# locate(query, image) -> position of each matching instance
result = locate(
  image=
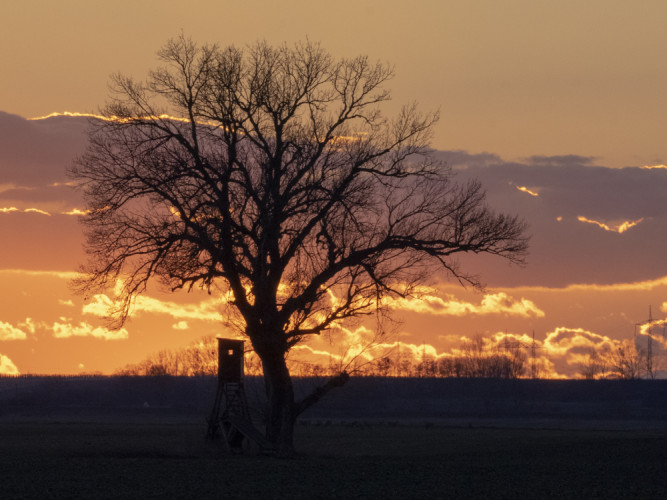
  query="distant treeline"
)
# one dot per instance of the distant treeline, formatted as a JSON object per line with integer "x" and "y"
{"x": 474, "y": 361}
{"x": 196, "y": 359}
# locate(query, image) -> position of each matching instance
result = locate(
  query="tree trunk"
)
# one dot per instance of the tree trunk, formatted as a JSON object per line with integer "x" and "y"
{"x": 280, "y": 394}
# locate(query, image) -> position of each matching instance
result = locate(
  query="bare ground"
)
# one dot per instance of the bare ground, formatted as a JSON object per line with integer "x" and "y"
{"x": 145, "y": 439}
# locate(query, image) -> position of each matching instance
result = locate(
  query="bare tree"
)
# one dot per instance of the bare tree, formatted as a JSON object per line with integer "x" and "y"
{"x": 626, "y": 362}
{"x": 595, "y": 366}
{"x": 623, "y": 362}
{"x": 478, "y": 360}
{"x": 270, "y": 173}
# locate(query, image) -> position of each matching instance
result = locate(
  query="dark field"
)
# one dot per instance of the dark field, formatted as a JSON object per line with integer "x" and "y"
{"x": 124, "y": 438}
{"x": 60, "y": 460}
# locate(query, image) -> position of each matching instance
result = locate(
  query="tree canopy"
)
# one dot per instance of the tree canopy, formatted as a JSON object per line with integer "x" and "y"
{"x": 271, "y": 173}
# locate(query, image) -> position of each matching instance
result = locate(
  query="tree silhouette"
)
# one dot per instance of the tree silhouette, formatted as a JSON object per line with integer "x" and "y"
{"x": 271, "y": 173}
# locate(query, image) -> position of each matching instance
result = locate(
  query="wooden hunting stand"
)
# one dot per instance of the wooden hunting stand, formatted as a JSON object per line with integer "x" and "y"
{"x": 230, "y": 410}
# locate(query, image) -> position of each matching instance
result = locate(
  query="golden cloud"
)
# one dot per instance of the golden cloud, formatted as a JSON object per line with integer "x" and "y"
{"x": 355, "y": 348}
{"x": 37, "y": 211}
{"x": 526, "y": 190}
{"x": 10, "y": 332}
{"x": 563, "y": 339}
{"x": 620, "y": 227}
{"x": 83, "y": 329}
{"x": 66, "y": 113}
{"x": 7, "y": 367}
{"x": 164, "y": 116}
{"x": 100, "y": 305}
{"x": 310, "y": 351}
{"x": 656, "y": 329}
{"x": 593, "y": 287}
{"x": 496, "y": 303}
{"x": 7, "y": 210}
{"x": 573, "y": 349}
{"x": 29, "y": 325}
{"x": 12, "y": 187}
{"x": 109, "y": 118}
{"x": 515, "y": 339}
{"x": 205, "y": 311}
{"x": 103, "y": 306}
{"x": 76, "y": 211}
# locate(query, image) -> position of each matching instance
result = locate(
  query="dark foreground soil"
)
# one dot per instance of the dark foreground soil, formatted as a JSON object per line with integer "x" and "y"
{"x": 129, "y": 437}
{"x": 47, "y": 459}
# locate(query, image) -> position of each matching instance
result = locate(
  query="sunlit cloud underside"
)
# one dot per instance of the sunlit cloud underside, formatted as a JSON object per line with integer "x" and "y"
{"x": 497, "y": 303}
{"x": 616, "y": 228}
{"x": 531, "y": 192}
{"x": 74, "y": 211}
{"x": 7, "y": 367}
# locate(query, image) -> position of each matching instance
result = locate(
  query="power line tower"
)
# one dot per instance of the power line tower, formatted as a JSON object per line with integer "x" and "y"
{"x": 649, "y": 346}
{"x": 533, "y": 368}
{"x": 648, "y": 331}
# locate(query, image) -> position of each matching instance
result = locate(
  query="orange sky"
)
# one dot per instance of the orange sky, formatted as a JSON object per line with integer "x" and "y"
{"x": 543, "y": 101}
{"x": 515, "y": 78}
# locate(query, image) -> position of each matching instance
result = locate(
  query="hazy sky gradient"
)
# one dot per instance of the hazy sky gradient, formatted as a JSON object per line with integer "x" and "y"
{"x": 586, "y": 285}
{"x": 516, "y": 78}
{"x": 545, "y": 102}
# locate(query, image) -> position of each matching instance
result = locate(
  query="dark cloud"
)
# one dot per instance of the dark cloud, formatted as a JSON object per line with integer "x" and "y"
{"x": 581, "y": 190}
{"x": 560, "y": 161}
{"x": 35, "y": 154}
{"x": 33, "y": 158}
{"x": 567, "y": 250}
{"x": 461, "y": 159}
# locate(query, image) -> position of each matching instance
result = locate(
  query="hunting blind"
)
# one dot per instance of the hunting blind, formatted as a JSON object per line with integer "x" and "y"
{"x": 230, "y": 412}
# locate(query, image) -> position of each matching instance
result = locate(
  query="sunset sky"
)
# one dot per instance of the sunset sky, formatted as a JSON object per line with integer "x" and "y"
{"x": 557, "y": 107}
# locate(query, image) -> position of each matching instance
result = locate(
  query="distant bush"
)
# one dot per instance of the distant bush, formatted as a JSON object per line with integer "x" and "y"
{"x": 196, "y": 359}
